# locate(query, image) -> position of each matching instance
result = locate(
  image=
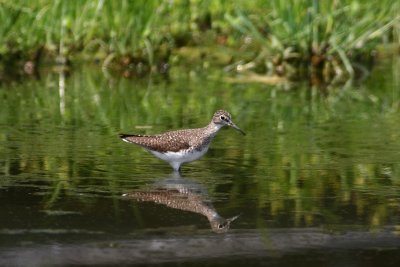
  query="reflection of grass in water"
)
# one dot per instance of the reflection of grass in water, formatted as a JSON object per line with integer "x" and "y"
{"x": 305, "y": 158}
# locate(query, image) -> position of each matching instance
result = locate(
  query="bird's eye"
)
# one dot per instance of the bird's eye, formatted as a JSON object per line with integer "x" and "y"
{"x": 223, "y": 118}
{"x": 220, "y": 226}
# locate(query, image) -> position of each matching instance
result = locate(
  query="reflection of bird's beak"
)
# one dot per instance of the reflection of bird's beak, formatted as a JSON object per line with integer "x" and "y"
{"x": 232, "y": 219}
{"x": 237, "y": 128}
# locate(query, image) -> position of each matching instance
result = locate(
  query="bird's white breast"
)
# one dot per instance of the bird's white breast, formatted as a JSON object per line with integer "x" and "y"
{"x": 181, "y": 156}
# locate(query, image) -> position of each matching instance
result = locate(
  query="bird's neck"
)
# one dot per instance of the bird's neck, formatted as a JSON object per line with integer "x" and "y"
{"x": 213, "y": 128}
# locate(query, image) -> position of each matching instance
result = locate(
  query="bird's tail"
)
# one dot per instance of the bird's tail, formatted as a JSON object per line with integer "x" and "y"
{"x": 123, "y": 136}
{"x": 130, "y": 138}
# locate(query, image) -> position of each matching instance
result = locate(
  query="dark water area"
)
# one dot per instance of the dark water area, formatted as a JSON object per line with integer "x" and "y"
{"x": 315, "y": 182}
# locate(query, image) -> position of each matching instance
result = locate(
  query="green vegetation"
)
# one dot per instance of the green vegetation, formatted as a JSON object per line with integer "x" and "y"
{"x": 274, "y": 37}
{"x": 327, "y": 35}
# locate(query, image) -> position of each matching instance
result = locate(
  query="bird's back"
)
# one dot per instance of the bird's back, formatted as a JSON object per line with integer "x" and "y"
{"x": 173, "y": 141}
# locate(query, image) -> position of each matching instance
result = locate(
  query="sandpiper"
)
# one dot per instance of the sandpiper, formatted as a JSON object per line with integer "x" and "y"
{"x": 177, "y": 147}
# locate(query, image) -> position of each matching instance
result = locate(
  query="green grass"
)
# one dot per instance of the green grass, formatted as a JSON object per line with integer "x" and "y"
{"x": 275, "y": 35}
{"x": 322, "y": 34}
{"x": 64, "y": 28}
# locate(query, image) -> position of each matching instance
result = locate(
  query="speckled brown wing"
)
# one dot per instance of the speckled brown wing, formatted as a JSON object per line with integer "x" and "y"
{"x": 167, "y": 142}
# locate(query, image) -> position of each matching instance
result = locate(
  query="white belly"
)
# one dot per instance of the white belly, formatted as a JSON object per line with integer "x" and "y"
{"x": 180, "y": 157}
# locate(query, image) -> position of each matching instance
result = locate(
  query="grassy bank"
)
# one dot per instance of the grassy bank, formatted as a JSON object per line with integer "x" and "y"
{"x": 274, "y": 37}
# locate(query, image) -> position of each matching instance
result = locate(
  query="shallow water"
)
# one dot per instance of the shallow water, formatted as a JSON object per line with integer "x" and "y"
{"x": 316, "y": 180}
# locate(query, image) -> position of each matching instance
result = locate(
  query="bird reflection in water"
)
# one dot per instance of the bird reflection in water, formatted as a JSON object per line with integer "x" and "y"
{"x": 179, "y": 193}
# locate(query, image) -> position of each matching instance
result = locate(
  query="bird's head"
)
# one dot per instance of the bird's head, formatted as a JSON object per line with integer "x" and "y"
{"x": 222, "y": 117}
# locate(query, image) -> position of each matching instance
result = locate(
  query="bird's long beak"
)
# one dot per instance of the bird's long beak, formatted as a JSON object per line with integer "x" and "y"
{"x": 237, "y": 128}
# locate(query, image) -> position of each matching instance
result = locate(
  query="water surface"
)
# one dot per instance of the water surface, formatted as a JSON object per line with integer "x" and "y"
{"x": 316, "y": 177}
